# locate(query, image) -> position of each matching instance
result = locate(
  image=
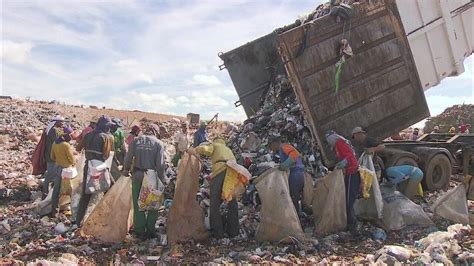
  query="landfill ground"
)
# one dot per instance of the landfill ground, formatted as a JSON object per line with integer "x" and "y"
{"x": 27, "y": 238}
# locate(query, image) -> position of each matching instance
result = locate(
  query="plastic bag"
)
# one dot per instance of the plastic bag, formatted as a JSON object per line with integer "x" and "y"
{"x": 372, "y": 207}
{"x": 235, "y": 181}
{"x": 278, "y": 216}
{"x": 399, "y": 211}
{"x": 45, "y": 207}
{"x": 151, "y": 193}
{"x": 98, "y": 177}
{"x": 329, "y": 204}
{"x": 452, "y": 205}
{"x": 69, "y": 173}
{"x": 186, "y": 217}
{"x": 367, "y": 173}
{"x": 110, "y": 220}
{"x": 308, "y": 190}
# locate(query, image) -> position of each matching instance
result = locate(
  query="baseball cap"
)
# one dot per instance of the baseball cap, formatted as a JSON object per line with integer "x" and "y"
{"x": 357, "y": 130}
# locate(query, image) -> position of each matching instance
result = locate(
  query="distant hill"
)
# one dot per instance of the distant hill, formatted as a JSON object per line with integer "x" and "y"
{"x": 451, "y": 117}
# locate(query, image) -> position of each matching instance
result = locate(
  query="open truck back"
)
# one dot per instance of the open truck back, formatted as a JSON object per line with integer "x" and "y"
{"x": 380, "y": 86}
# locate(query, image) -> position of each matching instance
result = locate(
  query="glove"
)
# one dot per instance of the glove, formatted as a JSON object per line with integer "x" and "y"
{"x": 286, "y": 164}
{"x": 341, "y": 164}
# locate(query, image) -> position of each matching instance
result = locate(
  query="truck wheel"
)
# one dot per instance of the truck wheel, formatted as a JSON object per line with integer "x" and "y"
{"x": 437, "y": 172}
{"x": 406, "y": 161}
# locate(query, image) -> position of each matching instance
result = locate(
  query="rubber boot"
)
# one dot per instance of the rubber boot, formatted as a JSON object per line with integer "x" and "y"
{"x": 411, "y": 189}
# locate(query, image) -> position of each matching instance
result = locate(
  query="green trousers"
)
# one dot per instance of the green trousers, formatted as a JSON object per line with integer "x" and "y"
{"x": 143, "y": 222}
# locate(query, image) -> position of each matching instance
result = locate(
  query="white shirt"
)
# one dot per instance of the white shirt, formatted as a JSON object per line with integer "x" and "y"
{"x": 182, "y": 140}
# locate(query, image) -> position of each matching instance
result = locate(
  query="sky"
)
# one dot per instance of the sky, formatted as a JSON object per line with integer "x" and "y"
{"x": 158, "y": 56}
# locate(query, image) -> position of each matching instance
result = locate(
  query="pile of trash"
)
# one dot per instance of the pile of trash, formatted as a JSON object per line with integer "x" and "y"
{"x": 280, "y": 115}
{"x": 451, "y": 117}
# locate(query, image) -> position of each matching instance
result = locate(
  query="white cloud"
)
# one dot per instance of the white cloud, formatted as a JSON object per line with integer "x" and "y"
{"x": 15, "y": 52}
{"x": 145, "y": 78}
{"x": 206, "y": 80}
{"x": 126, "y": 63}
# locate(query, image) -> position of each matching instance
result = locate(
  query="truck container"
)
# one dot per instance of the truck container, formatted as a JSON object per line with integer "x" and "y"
{"x": 380, "y": 85}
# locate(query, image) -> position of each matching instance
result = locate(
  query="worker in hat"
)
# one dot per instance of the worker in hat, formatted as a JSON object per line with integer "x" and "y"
{"x": 134, "y": 132}
{"x": 62, "y": 155}
{"x": 219, "y": 154}
{"x": 119, "y": 140}
{"x": 363, "y": 143}
{"x": 89, "y": 128}
{"x": 181, "y": 143}
{"x": 347, "y": 161}
{"x": 145, "y": 153}
{"x": 200, "y": 135}
{"x": 415, "y": 134}
{"x": 119, "y": 147}
{"x": 435, "y": 130}
{"x": 97, "y": 145}
{"x": 290, "y": 159}
{"x": 53, "y": 131}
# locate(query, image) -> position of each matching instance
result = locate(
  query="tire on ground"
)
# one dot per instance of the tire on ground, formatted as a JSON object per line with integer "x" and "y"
{"x": 437, "y": 172}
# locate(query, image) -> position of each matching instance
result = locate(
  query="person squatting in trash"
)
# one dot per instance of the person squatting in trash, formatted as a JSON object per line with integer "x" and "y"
{"x": 347, "y": 161}
{"x": 401, "y": 173}
{"x": 97, "y": 145}
{"x": 145, "y": 152}
{"x": 219, "y": 154}
{"x": 62, "y": 154}
{"x": 290, "y": 159}
{"x": 53, "y": 131}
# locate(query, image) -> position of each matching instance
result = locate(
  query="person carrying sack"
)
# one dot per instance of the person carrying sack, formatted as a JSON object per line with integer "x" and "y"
{"x": 53, "y": 131}
{"x": 146, "y": 153}
{"x": 97, "y": 144}
{"x": 348, "y": 162}
{"x": 290, "y": 159}
{"x": 61, "y": 153}
{"x": 220, "y": 154}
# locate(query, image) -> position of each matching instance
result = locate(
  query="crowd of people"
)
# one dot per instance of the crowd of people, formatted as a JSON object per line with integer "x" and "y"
{"x": 142, "y": 151}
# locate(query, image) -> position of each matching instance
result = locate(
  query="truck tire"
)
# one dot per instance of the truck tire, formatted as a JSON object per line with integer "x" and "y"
{"x": 405, "y": 160}
{"x": 437, "y": 172}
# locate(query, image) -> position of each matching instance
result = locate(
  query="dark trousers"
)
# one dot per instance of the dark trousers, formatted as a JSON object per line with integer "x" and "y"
{"x": 56, "y": 189}
{"x": 48, "y": 177}
{"x": 215, "y": 218}
{"x": 85, "y": 198}
{"x": 296, "y": 184}
{"x": 352, "y": 183}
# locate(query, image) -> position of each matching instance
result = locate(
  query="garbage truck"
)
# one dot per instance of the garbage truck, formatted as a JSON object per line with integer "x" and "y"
{"x": 399, "y": 49}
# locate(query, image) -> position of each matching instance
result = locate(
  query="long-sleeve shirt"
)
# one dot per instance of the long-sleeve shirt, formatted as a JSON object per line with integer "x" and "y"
{"x": 288, "y": 151}
{"x": 97, "y": 145}
{"x": 146, "y": 152}
{"x": 62, "y": 154}
{"x": 51, "y": 136}
{"x": 219, "y": 154}
{"x": 119, "y": 139}
{"x": 200, "y": 136}
{"x": 345, "y": 151}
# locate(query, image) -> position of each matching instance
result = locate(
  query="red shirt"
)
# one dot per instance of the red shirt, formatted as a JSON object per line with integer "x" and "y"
{"x": 344, "y": 151}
